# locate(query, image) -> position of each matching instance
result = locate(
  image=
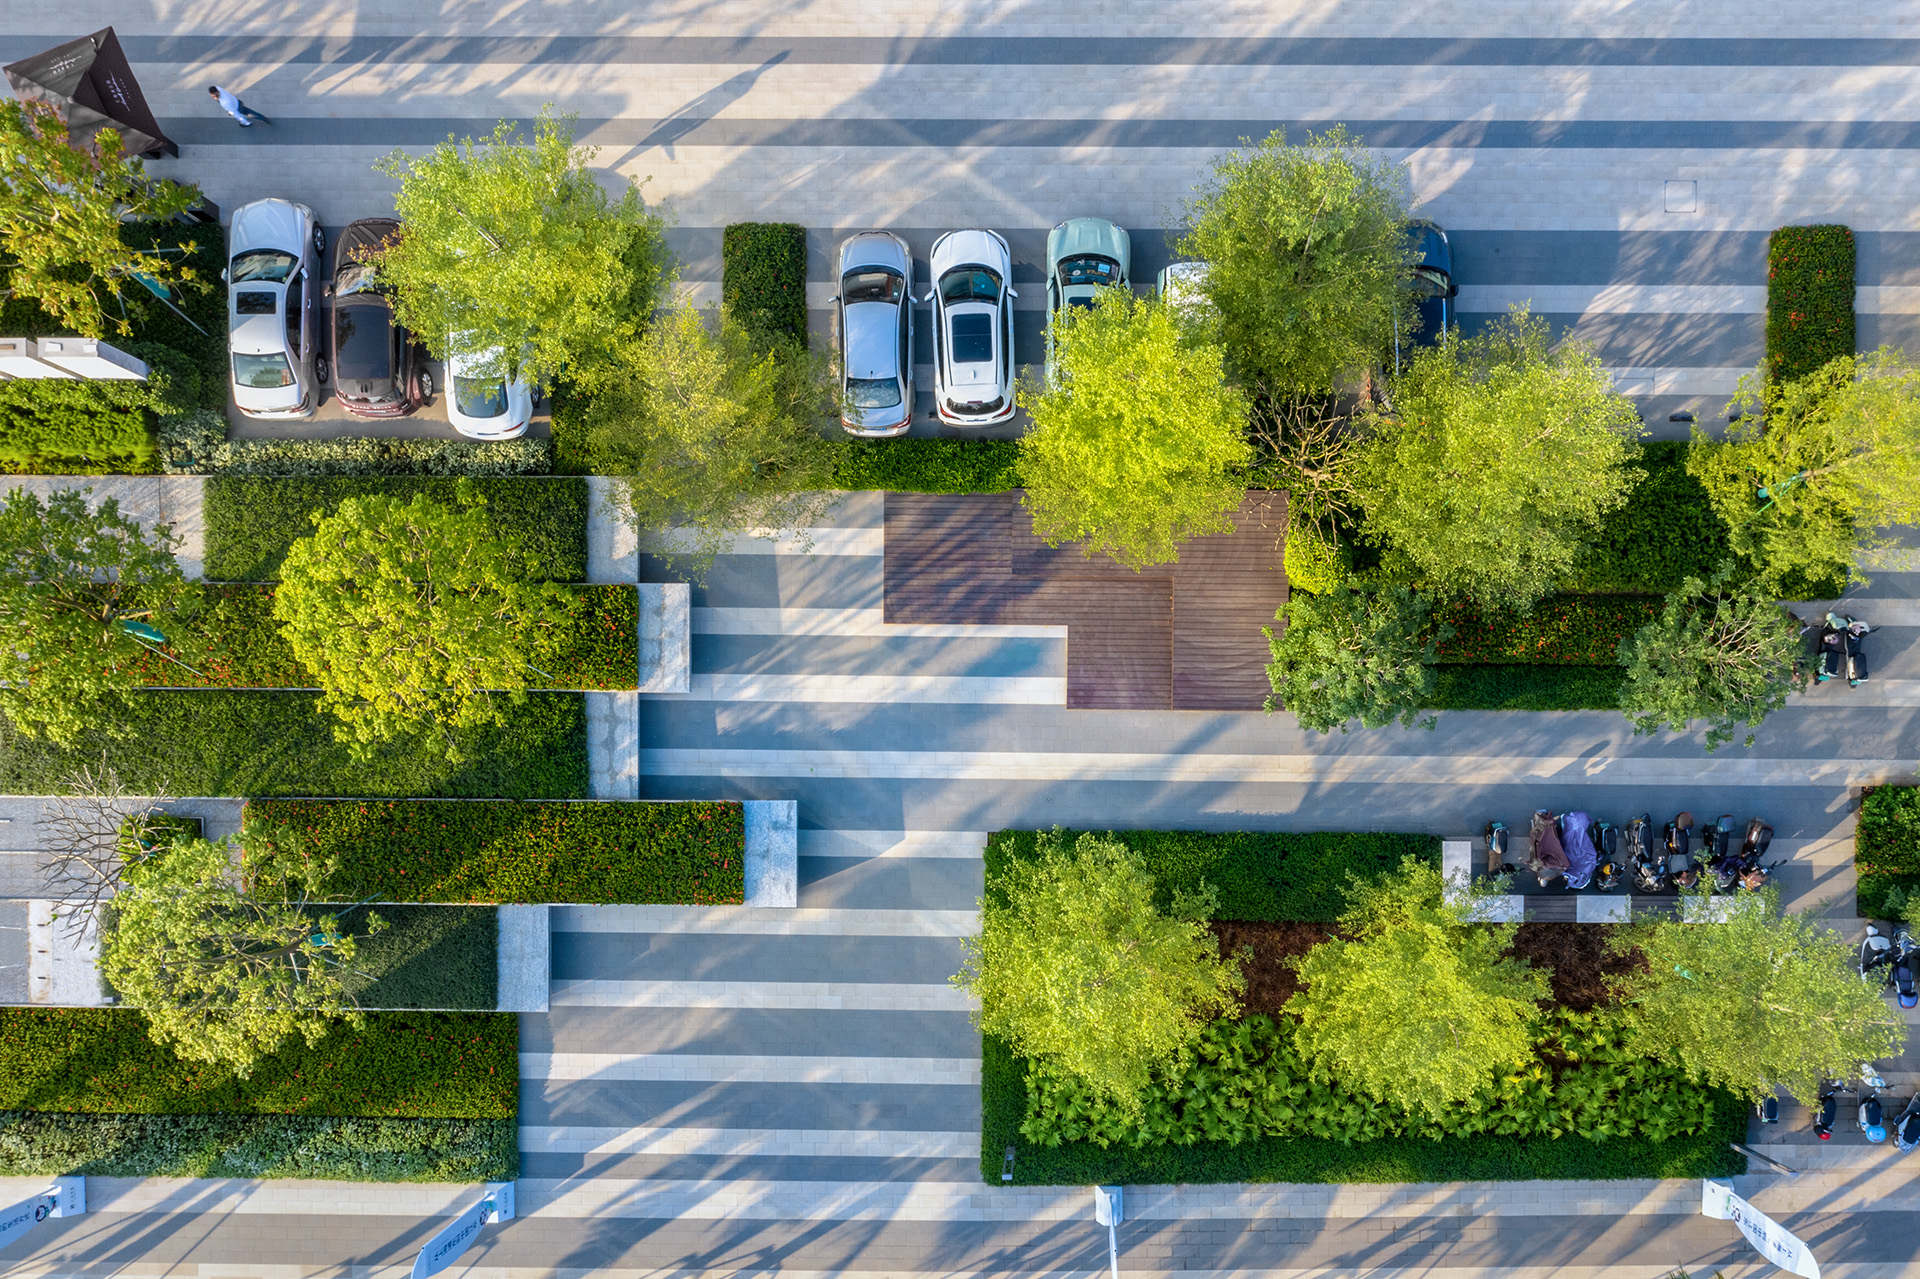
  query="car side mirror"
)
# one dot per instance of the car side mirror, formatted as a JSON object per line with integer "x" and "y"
{"x": 223, "y": 273}
{"x": 1453, "y": 290}
{"x": 326, "y": 291}
{"x": 928, "y": 296}
{"x": 1013, "y": 293}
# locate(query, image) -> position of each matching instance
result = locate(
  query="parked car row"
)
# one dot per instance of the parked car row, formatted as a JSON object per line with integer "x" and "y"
{"x": 279, "y": 357}
{"x": 972, "y": 295}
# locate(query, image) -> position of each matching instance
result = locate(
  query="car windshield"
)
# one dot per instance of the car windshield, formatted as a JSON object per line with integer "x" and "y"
{"x": 355, "y": 277}
{"x": 1090, "y": 269}
{"x": 260, "y": 264}
{"x": 363, "y": 344}
{"x": 254, "y": 302}
{"x": 1429, "y": 281}
{"x": 1084, "y": 304}
{"x": 262, "y": 371}
{"x": 873, "y": 392}
{"x": 970, "y": 284}
{"x": 972, "y": 339}
{"x": 871, "y": 285}
{"x": 480, "y": 396}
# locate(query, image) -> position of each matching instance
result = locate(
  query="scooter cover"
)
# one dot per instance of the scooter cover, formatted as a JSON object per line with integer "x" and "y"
{"x": 1576, "y": 831}
{"x": 1547, "y": 851}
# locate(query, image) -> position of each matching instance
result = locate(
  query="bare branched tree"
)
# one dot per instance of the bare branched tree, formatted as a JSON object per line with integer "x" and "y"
{"x": 86, "y": 833}
{"x": 1309, "y": 446}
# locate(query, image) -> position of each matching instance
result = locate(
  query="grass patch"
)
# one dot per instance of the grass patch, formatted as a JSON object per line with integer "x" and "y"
{"x": 425, "y": 850}
{"x": 251, "y": 520}
{"x": 427, "y": 957}
{"x": 1517, "y": 687}
{"x": 221, "y": 742}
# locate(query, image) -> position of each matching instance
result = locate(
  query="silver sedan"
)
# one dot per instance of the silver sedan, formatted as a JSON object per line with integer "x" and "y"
{"x": 873, "y": 317}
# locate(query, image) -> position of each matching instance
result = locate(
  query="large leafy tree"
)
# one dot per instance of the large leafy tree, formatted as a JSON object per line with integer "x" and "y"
{"x": 63, "y": 214}
{"x": 1307, "y": 257}
{"x": 1838, "y": 455}
{"x": 73, "y": 576}
{"x": 712, "y": 433}
{"x": 1410, "y": 1006}
{"x": 515, "y": 242}
{"x": 225, "y": 976}
{"x": 1078, "y": 967}
{"x": 1137, "y": 446}
{"x": 1719, "y": 651}
{"x": 1503, "y": 455}
{"x": 1755, "y": 1001}
{"x": 1350, "y": 655}
{"x": 413, "y": 619}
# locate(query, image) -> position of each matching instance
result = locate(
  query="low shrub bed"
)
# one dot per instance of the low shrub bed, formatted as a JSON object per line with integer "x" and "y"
{"x": 1886, "y": 849}
{"x": 601, "y": 851}
{"x": 237, "y": 643}
{"x": 251, "y": 521}
{"x": 197, "y": 444}
{"x": 1810, "y": 271}
{"x": 258, "y": 1146}
{"x": 227, "y": 742}
{"x": 1526, "y": 688}
{"x": 1263, "y": 875}
{"x": 426, "y": 957}
{"x": 401, "y": 1064}
{"x": 1666, "y": 532}
{"x": 1564, "y": 630}
{"x": 763, "y": 280}
{"x": 929, "y": 466}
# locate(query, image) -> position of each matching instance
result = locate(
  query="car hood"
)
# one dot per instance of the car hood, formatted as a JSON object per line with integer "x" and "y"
{"x": 875, "y": 249}
{"x": 872, "y": 343}
{"x": 958, "y": 248}
{"x": 269, "y": 224}
{"x": 1089, "y": 235}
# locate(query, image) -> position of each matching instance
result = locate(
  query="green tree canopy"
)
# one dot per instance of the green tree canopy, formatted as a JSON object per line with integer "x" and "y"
{"x": 516, "y": 243}
{"x": 1838, "y": 452}
{"x": 1415, "y": 1005}
{"x": 711, "y": 434}
{"x": 1502, "y": 457}
{"x": 1350, "y": 655}
{"x": 223, "y": 976}
{"x": 1307, "y": 257}
{"x": 70, "y": 574}
{"x": 1756, "y": 1001}
{"x": 1136, "y": 449}
{"x": 1722, "y": 652}
{"x": 63, "y": 212}
{"x": 413, "y": 619}
{"x": 1078, "y": 968}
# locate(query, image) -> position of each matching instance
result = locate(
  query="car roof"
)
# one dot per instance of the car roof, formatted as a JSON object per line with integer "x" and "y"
{"x": 258, "y": 335}
{"x": 873, "y": 340}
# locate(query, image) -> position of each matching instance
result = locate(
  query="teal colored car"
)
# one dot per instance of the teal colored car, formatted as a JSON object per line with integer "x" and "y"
{"x": 1084, "y": 255}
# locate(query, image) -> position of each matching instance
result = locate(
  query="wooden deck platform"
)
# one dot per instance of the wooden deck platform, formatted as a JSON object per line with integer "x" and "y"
{"x": 1178, "y": 636}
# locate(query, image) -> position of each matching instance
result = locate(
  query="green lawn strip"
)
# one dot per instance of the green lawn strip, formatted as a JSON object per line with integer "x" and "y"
{"x": 226, "y": 742}
{"x": 1259, "y": 875}
{"x": 425, "y": 957}
{"x": 1886, "y": 849}
{"x": 252, "y": 520}
{"x": 1003, "y": 1093}
{"x": 258, "y": 1146}
{"x": 1516, "y": 687}
{"x": 457, "y": 1065}
{"x": 1810, "y": 273}
{"x": 602, "y": 852}
{"x": 235, "y": 642}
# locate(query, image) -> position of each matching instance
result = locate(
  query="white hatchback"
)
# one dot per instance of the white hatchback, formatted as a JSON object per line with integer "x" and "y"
{"x": 972, "y": 300}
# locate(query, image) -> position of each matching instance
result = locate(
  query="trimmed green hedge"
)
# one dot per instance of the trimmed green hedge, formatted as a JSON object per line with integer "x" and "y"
{"x": 1565, "y": 630}
{"x": 1810, "y": 271}
{"x": 763, "y": 280}
{"x": 236, "y": 643}
{"x": 1003, "y": 1094}
{"x": 225, "y": 742}
{"x": 601, "y": 851}
{"x": 1259, "y": 875}
{"x": 929, "y": 466}
{"x": 258, "y": 1146}
{"x": 1526, "y": 688}
{"x": 197, "y": 444}
{"x": 426, "y": 957}
{"x": 402, "y": 1064}
{"x": 1886, "y": 848}
{"x": 1666, "y": 532}
{"x": 251, "y": 521}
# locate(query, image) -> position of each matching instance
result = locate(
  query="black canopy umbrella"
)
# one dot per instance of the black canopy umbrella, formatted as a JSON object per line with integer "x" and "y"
{"x": 88, "y": 82}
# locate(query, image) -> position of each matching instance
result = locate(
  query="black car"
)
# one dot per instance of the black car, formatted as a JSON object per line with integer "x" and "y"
{"x": 1432, "y": 287}
{"x": 377, "y": 366}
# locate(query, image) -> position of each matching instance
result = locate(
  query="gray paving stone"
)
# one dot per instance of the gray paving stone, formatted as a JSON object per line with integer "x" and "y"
{"x": 865, "y": 1107}
{"x": 751, "y": 1032}
{"x": 747, "y": 957}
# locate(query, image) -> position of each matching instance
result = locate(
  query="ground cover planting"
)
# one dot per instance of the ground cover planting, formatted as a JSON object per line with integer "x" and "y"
{"x": 763, "y": 284}
{"x": 1887, "y": 849}
{"x": 1810, "y": 320}
{"x": 427, "y": 850}
{"x": 439, "y": 957}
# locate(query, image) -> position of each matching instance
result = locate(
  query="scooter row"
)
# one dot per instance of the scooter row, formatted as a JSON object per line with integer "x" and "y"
{"x": 1870, "y": 1115}
{"x": 1582, "y": 853}
{"x": 1899, "y": 955}
{"x": 1841, "y": 649}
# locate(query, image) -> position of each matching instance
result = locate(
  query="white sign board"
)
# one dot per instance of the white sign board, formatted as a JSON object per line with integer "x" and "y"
{"x": 1770, "y": 1239}
{"x": 67, "y": 1197}
{"x": 464, "y": 1229}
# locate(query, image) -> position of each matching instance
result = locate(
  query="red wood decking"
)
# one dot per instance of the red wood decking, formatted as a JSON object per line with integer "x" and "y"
{"x": 1184, "y": 635}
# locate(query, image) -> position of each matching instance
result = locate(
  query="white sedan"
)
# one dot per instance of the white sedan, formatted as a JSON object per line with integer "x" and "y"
{"x": 273, "y": 294}
{"x": 482, "y": 403}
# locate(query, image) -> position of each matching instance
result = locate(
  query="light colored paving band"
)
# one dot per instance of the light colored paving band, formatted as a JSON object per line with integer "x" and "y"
{"x": 866, "y": 996}
{"x": 832, "y": 540}
{"x": 851, "y": 621}
{"x": 696, "y": 1067}
{"x": 893, "y": 843}
{"x": 766, "y": 921}
{"x": 1665, "y": 299}
{"x": 1015, "y": 690}
{"x": 843, "y": 1143}
{"x": 1122, "y": 766}
{"x": 1680, "y": 380}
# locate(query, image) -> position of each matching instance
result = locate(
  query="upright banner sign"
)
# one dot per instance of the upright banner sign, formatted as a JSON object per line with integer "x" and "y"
{"x": 67, "y": 1197}
{"x": 463, "y": 1230}
{"x": 1771, "y": 1239}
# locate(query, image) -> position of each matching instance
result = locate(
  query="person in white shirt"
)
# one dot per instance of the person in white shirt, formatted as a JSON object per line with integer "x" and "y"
{"x": 231, "y": 104}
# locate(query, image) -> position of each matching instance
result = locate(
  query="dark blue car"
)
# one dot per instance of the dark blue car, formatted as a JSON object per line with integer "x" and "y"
{"x": 1432, "y": 287}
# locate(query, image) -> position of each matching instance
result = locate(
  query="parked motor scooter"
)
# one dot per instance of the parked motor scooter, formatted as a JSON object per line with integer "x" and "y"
{"x": 1716, "y": 844}
{"x": 1649, "y": 872}
{"x": 1497, "y": 863}
{"x": 1576, "y": 840}
{"x": 1683, "y": 869}
{"x": 1906, "y": 958}
{"x": 1608, "y": 876}
{"x": 1828, "y": 1110}
{"x": 1851, "y": 633}
{"x": 1874, "y": 951}
{"x": 1872, "y": 1117}
{"x": 1906, "y": 1129}
{"x": 1546, "y": 857}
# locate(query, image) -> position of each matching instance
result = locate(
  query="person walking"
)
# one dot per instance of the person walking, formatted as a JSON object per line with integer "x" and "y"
{"x": 231, "y": 104}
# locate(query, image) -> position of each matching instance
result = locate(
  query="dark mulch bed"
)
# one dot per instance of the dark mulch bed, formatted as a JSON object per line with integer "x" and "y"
{"x": 1575, "y": 957}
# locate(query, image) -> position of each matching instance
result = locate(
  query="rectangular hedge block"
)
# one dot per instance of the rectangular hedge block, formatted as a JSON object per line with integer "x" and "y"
{"x": 929, "y": 466}
{"x": 1886, "y": 850}
{"x": 437, "y": 957}
{"x": 601, "y": 851}
{"x": 1810, "y": 321}
{"x": 763, "y": 280}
